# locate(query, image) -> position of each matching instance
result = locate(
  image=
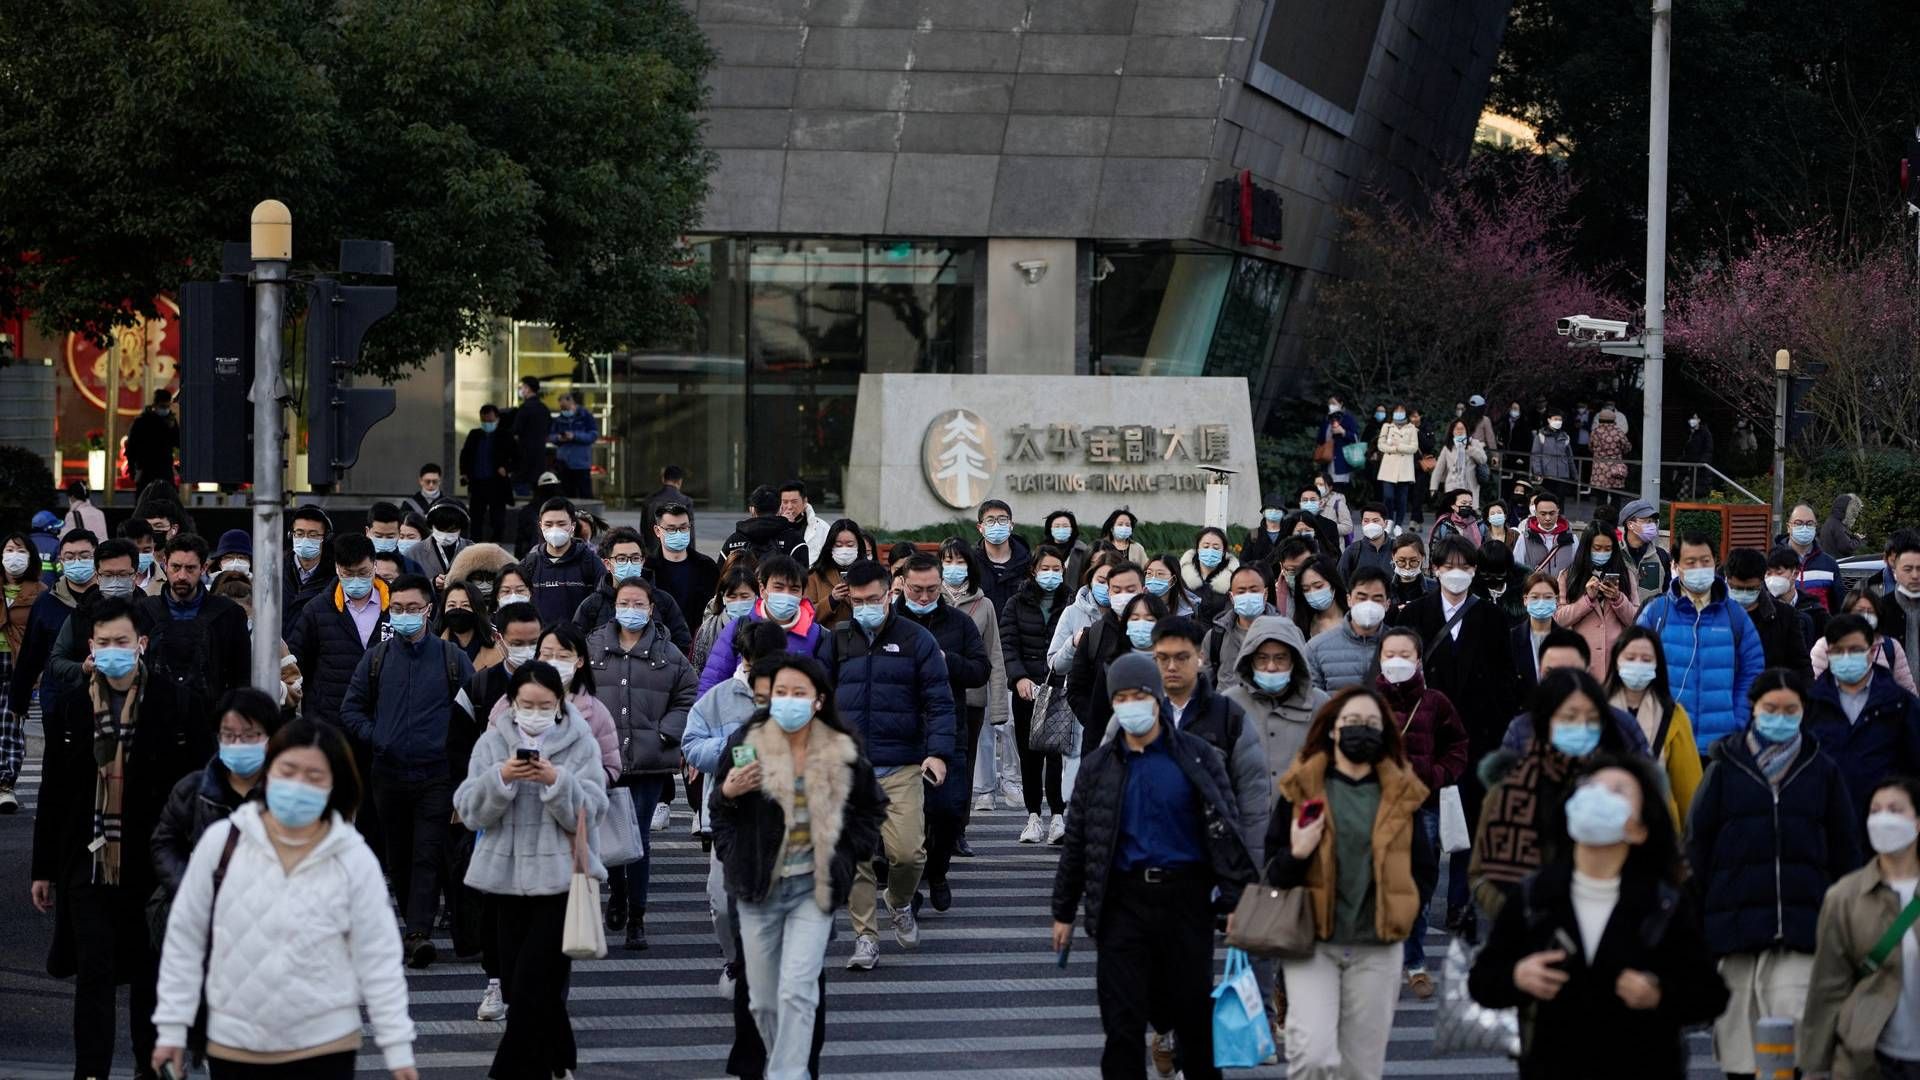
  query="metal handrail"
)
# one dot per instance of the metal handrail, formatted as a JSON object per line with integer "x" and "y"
{"x": 1583, "y": 475}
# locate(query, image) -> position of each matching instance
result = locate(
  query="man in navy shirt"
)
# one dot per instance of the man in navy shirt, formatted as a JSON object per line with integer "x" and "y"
{"x": 1139, "y": 852}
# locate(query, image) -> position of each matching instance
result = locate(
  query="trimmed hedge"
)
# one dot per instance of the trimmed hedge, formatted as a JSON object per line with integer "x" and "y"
{"x": 1155, "y": 536}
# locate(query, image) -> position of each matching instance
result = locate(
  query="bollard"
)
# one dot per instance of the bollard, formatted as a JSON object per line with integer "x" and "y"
{"x": 1773, "y": 1048}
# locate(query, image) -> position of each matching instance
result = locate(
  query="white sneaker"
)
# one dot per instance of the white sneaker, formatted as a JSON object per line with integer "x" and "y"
{"x": 726, "y": 984}
{"x": 983, "y": 803}
{"x": 866, "y": 953}
{"x": 1034, "y": 830}
{"x": 906, "y": 928}
{"x": 1057, "y": 829}
{"x": 661, "y": 815}
{"x": 491, "y": 1007}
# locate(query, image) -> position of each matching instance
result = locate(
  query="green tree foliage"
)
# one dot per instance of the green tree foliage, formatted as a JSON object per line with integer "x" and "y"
{"x": 538, "y": 159}
{"x": 1783, "y": 112}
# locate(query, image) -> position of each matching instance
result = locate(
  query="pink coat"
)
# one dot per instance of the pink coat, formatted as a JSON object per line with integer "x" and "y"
{"x": 1599, "y": 624}
{"x": 599, "y": 721}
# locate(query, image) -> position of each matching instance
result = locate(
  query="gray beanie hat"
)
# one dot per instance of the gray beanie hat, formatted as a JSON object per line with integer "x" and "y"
{"x": 1134, "y": 671}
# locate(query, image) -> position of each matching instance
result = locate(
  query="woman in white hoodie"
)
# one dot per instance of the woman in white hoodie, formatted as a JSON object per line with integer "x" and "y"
{"x": 278, "y": 897}
{"x": 533, "y": 774}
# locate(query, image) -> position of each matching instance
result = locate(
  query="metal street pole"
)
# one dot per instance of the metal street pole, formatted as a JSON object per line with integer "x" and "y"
{"x": 1656, "y": 302}
{"x": 272, "y": 243}
{"x": 1782, "y": 368}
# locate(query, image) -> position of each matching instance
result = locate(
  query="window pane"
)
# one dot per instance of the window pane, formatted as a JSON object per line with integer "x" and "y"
{"x": 919, "y": 307}
{"x": 807, "y": 345}
{"x": 1157, "y": 311}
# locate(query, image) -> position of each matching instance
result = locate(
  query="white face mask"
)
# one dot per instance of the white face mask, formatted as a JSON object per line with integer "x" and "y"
{"x": 1456, "y": 581}
{"x": 15, "y": 562}
{"x": 1779, "y": 585}
{"x": 1889, "y": 832}
{"x": 845, "y": 556}
{"x": 444, "y": 538}
{"x": 556, "y": 538}
{"x": 1368, "y": 614}
{"x": 566, "y": 669}
{"x": 536, "y": 721}
{"x": 1373, "y": 530}
{"x": 1398, "y": 669}
{"x": 519, "y": 654}
{"x": 515, "y": 598}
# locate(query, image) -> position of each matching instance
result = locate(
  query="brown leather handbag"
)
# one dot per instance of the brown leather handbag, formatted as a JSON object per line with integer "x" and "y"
{"x": 1272, "y": 921}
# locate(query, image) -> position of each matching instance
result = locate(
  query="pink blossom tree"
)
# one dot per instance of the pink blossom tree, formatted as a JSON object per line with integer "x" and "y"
{"x": 1852, "y": 309}
{"x": 1459, "y": 295}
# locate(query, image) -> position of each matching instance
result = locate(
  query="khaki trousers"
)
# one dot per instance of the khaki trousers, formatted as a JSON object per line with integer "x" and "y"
{"x": 903, "y": 837}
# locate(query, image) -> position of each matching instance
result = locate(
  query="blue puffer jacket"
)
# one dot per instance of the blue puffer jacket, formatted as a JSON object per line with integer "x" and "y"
{"x": 577, "y": 452}
{"x": 1763, "y": 866}
{"x": 893, "y": 691}
{"x": 1885, "y": 742}
{"x": 325, "y": 642}
{"x": 1713, "y": 656}
{"x": 406, "y": 717}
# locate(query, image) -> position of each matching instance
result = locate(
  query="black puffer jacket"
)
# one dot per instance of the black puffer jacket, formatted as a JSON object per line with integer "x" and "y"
{"x": 1093, "y": 823}
{"x": 967, "y": 664}
{"x": 559, "y": 585}
{"x": 844, "y": 804}
{"x": 1105, "y": 639}
{"x": 596, "y": 611}
{"x": 1784, "y": 634}
{"x": 198, "y": 800}
{"x": 648, "y": 692}
{"x": 1025, "y": 632}
{"x": 325, "y": 642}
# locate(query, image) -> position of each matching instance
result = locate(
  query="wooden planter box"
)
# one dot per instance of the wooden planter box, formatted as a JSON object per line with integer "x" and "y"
{"x": 1748, "y": 526}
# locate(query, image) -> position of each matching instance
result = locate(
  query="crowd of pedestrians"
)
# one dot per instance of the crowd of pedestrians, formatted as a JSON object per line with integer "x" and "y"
{"x": 1670, "y": 786}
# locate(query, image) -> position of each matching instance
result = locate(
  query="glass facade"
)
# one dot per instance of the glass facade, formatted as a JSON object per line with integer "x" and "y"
{"x": 1167, "y": 310}
{"x": 762, "y": 383}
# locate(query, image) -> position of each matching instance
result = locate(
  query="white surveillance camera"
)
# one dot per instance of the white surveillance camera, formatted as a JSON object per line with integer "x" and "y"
{"x": 1588, "y": 328}
{"x": 1032, "y": 269}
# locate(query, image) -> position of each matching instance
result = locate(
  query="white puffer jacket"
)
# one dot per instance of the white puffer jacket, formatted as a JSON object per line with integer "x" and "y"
{"x": 295, "y": 955}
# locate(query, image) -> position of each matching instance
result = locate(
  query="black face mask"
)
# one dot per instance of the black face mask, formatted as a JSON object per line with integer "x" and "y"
{"x": 458, "y": 620}
{"x": 1362, "y": 744}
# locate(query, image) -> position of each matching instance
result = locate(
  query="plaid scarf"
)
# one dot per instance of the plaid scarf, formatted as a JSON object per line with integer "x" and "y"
{"x": 1773, "y": 760}
{"x": 111, "y": 736}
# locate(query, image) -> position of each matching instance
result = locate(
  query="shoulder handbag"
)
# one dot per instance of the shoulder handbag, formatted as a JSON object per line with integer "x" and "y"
{"x": 1272, "y": 921}
{"x": 1054, "y": 724}
{"x": 1890, "y": 940}
{"x": 197, "y": 1034}
{"x": 1323, "y": 452}
{"x": 1355, "y": 453}
{"x": 618, "y": 834}
{"x": 583, "y": 936}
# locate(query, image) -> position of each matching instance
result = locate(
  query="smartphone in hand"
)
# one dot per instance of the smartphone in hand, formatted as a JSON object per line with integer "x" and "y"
{"x": 527, "y": 753}
{"x": 1311, "y": 810}
{"x": 744, "y": 755}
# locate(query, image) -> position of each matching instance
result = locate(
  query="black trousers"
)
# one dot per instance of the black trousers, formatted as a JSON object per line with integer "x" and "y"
{"x": 1155, "y": 964}
{"x": 534, "y": 972}
{"x": 110, "y": 937}
{"x": 747, "y": 1058}
{"x": 577, "y": 483}
{"x": 416, "y": 815}
{"x": 949, "y": 805}
{"x": 1037, "y": 771}
{"x": 325, "y": 1067}
{"x": 490, "y": 497}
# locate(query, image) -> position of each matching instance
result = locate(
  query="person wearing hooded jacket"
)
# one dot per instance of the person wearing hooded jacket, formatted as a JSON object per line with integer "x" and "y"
{"x": 1143, "y": 856}
{"x": 1863, "y": 719}
{"x": 766, "y": 533}
{"x": 1248, "y": 587}
{"x": 561, "y": 569}
{"x": 1772, "y": 829}
{"x": 1276, "y": 690}
{"x": 987, "y": 706}
{"x": 334, "y": 631}
{"x": 780, "y": 602}
{"x": 1547, "y": 542}
{"x": 1713, "y": 651}
{"x": 1836, "y": 536}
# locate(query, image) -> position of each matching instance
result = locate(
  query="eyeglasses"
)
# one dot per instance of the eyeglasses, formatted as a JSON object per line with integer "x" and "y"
{"x": 996, "y": 521}
{"x": 672, "y": 529}
{"x": 408, "y": 609}
{"x": 1174, "y": 659}
{"x": 228, "y": 738}
{"x": 626, "y": 560}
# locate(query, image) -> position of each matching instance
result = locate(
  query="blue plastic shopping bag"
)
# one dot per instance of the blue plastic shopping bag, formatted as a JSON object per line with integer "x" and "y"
{"x": 1241, "y": 1037}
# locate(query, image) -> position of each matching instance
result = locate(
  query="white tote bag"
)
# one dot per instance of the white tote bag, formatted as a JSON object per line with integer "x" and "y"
{"x": 584, "y": 936}
{"x": 1454, "y": 834}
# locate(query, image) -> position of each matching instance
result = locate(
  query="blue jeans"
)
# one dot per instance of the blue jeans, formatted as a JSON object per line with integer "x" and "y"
{"x": 1396, "y": 495}
{"x": 1414, "y": 950}
{"x": 783, "y": 941}
{"x": 629, "y": 883}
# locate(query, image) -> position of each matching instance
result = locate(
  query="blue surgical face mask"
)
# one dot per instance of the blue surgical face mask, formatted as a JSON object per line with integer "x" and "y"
{"x": 1100, "y": 593}
{"x": 1273, "y": 516}
{"x": 1049, "y": 580}
{"x": 78, "y": 571}
{"x": 1459, "y": 440}
{"x": 305, "y": 548}
{"x": 632, "y": 618}
{"x": 1249, "y": 605}
{"x": 1849, "y": 667}
{"x": 1542, "y": 609}
{"x": 1399, "y": 417}
{"x": 295, "y": 804}
{"x": 1271, "y": 682}
{"x": 356, "y": 588}
{"x": 919, "y": 608}
{"x": 114, "y": 662}
{"x": 1803, "y": 534}
{"x": 385, "y": 544}
{"x": 676, "y": 541}
{"x": 870, "y": 615}
{"x": 953, "y": 575}
{"x": 1379, "y": 414}
{"x": 1743, "y": 597}
{"x": 997, "y": 534}
{"x": 1320, "y": 599}
{"x": 738, "y": 609}
{"x": 1575, "y": 741}
{"x": 1159, "y": 586}
{"x": 145, "y": 565}
{"x": 1310, "y": 506}
{"x": 408, "y": 547}
{"x": 1697, "y": 579}
{"x": 1137, "y": 717}
{"x": 1601, "y": 558}
{"x": 1597, "y": 816}
{"x": 1210, "y": 557}
{"x": 243, "y": 759}
{"x": 489, "y": 426}
{"x": 1141, "y": 634}
{"x": 1062, "y": 533}
{"x": 782, "y": 605}
{"x": 407, "y": 623}
{"x": 1123, "y": 532}
{"x": 627, "y": 571}
{"x": 1497, "y": 519}
{"x": 1637, "y": 674}
{"x": 1776, "y": 727}
{"x": 790, "y": 713}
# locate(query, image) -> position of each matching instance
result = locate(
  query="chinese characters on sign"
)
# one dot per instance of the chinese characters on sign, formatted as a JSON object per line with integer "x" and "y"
{"x": 1133, "y": 450}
